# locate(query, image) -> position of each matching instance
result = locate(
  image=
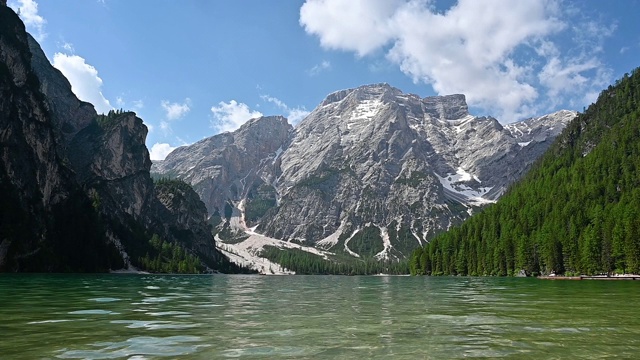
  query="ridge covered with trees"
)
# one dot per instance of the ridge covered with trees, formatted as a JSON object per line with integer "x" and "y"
{"x": 576, "y": 212}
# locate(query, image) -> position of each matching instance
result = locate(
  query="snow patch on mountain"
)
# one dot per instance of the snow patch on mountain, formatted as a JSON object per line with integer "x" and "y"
{"x": 346, "y": 244}
{"x": 331, "y": 240}
{"x": 366, "y": 110}
{"x": 455, "y": 187}
{"x": 385, "y": 253}
{"x": 277, "y": 155}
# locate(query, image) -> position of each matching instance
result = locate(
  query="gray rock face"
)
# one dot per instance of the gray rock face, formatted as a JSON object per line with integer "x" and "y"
{"x": 367, "y": 158}
{"x": 184, "y": 215}
{"x": 221, "y": 167}
{"x": 40, "y": 198}
{"x": 77, "y": 192}
{"x": 69, "y": 115}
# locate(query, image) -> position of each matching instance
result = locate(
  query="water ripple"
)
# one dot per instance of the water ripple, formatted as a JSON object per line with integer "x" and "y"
{"x": 326, "y": 317}
{"x": 137, "y": 347}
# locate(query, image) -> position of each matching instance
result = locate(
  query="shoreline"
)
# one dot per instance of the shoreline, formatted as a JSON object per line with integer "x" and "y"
{"x": 592, "y": 277}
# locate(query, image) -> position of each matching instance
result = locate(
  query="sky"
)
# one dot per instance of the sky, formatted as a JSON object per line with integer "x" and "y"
{"x": 195, "y": 68}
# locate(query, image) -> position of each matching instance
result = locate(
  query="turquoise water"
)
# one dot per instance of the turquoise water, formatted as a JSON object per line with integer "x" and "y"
{"x": 209, "y": 317}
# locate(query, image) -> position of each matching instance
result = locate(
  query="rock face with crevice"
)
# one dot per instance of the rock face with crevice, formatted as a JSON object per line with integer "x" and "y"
{"x": 369, "y": 164}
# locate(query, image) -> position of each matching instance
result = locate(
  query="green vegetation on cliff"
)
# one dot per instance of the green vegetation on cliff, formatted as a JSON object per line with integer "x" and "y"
{"x": 169, "y": 258}
{"x": 576, "y": 212}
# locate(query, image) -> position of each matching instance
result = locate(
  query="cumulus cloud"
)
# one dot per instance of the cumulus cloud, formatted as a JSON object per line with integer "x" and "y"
{"x": 294, "y": 115}
{"x": 28, "y": 10}
{"x": 317, "y": 69}
{"x": 355, "y": 25}
{"x": 84, "y": 79}
{"x": 175, "y": 111}
{"x": 230, "y": 116}
{"x": 489, "y": 50}
{"x": 159, "y": 151}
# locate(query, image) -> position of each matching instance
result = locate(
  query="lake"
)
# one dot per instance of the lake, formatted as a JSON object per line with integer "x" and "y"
{"x": 117, "y": 316}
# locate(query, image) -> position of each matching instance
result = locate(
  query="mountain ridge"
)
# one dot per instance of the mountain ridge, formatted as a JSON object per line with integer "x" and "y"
{"x": 374, "y": 155}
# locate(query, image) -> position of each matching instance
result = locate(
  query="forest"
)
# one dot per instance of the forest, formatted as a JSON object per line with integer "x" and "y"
{"x": 577, "y": 211}
{"x": 305, "y": 263}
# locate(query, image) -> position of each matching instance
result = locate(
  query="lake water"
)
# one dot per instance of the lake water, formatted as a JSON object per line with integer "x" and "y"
{"x": 208, "y": 317}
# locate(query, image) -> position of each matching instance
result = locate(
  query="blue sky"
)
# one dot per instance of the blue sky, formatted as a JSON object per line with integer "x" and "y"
{"x": 194, "y": 68}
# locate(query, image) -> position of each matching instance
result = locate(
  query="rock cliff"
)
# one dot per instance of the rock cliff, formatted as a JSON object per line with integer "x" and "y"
{"x": 79, "y": 196}
{"x": 47, "y": 223}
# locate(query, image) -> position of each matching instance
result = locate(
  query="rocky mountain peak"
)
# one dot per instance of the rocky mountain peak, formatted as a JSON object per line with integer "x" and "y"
{"x": 259, "y": 130}
{"x": 220, "y": 167}
{"x": 540, "y": 128}
{"x": 447, "y": 107}
{"x": 377, "y": 90}
{"x": 371, "y": 171}
{"x": 364, "y": 92}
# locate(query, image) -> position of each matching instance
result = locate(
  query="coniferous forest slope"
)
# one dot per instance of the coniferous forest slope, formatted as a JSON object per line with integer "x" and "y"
{"x": 576, "y": 212}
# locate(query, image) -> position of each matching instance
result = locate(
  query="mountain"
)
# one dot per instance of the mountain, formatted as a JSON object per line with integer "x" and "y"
{"x": 576, "y": 212}
{"x": 77, "y": 192}
{"x": 220, "y": 167}
{"x": 371, "y": 172}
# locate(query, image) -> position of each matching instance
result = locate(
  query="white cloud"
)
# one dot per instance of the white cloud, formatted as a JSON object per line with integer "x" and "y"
{"x": 274, "y": 100}
{"x": 28, "y": 10}
{"x": 294, "y": 115}
{"x": 230, "y": 116}
{"x": 68, "y": 47}
{"x": 317, "y": 69}
{"x": 175, "y": 111}
{"x": 138, "y": 104}
{"x": 359, "y": 25}
{"x": 84, "y": 79}
{"x": 561, "y": 77}
{"x": 119, "y": 101}
{"x": 489, "y": 50}
{"x": 159, "y": 151}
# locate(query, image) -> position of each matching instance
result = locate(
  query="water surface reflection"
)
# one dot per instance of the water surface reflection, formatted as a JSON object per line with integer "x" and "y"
{"x": 205, "y": 317}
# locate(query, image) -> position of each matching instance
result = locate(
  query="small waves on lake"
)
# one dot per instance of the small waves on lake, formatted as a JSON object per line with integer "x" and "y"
{"x": 127, "y": 316}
